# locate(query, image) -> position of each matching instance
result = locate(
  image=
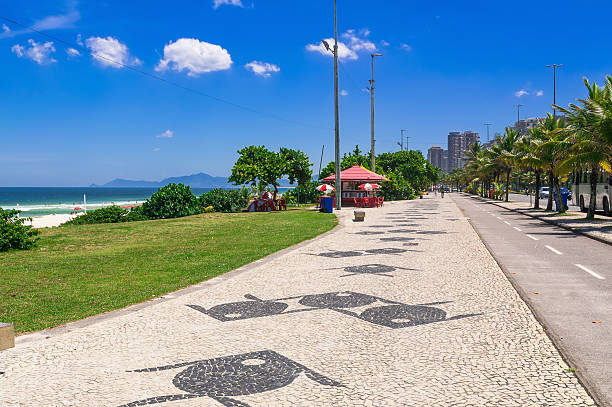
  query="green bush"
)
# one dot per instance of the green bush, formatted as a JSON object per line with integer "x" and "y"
{"x": 396, "y": 188}
{"x": 13, "y": 233}
{"x": 135, "y": 214}
{"x": 110, "y": 214}
{"x": 224, "y": 200}
{"x": 306, "y": 193}
{"x": 171, "y": 201}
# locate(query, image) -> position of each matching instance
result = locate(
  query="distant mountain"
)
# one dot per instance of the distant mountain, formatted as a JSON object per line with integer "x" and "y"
{"x": 200, "y": 180}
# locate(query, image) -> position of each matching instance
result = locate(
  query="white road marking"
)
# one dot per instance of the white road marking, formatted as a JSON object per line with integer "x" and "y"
{"x": 506, "y": 222}
{"x": 594, "y": 274}
{"x": 498, "y": 218}
{"x": 532, "y": 237}
{"x": 492, "y": 214}
{"x": 552, "y": 249}
{"x": 515, "y": 228}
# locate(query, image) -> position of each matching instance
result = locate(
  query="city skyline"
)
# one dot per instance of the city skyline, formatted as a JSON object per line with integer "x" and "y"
{"x": 71, "y": 119}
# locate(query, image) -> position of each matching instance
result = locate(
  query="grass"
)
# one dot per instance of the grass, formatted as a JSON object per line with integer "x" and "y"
{"x": 82, "y": 270}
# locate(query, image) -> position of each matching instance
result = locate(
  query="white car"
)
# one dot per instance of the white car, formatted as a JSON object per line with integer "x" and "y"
{"x": 544, "y": 192}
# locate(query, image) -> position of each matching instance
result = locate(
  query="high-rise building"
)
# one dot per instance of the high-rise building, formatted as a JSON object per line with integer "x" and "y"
{"x": 458, "y": 144}
{"x": 434, "y": 156}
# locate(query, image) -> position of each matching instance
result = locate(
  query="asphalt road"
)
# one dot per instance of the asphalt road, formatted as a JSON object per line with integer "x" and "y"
{"x": 565, "y": 278}
{"x": 543, "y": 202}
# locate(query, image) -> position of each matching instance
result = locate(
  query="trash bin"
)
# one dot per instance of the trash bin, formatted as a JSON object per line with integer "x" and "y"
{"x": 327, "y": 204}
{"x": 564, "y": 196}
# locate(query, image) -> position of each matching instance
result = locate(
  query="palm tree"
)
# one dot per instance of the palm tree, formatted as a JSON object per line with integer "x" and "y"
{"x": 529, "y": 160}
{"x": 590, "y": 130}
{"x": 551, "y": 149}
{"x": 504, "y": 154}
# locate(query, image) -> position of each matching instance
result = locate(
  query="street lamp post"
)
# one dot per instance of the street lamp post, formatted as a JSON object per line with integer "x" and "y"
{"x": 336, "y": 111}
{"x": 488, "y": 125}
{"x": 554, "y": 68}
{"x": 372, "y": 153}
{"x": 518, "y": 114}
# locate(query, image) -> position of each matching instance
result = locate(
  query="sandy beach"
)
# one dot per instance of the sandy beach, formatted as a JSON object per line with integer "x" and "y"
{"x": 49, "y": 221}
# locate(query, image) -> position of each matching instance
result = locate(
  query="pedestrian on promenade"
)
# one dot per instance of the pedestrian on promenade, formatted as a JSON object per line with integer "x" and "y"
{"x": 435, "y": 191}
{"x": 442, "y": 192}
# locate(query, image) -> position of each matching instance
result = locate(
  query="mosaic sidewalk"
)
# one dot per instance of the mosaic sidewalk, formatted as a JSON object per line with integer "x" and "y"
{"x": 405, "y": 309}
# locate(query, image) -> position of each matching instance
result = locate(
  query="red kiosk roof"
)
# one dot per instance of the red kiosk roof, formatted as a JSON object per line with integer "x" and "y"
{"x": 357, "y": 173}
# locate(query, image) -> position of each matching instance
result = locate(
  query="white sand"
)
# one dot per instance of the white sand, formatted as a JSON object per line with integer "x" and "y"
{"x": 49, "y": 221}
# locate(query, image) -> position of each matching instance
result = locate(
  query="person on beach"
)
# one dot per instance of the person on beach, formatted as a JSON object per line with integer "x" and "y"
{"x": 442, "y": 192}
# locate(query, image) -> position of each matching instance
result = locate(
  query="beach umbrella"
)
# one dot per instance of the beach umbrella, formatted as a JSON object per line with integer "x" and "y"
{"x": 78, "y": 208}
{"x": 368, "y": 187}
{"x": 325, "y": 188}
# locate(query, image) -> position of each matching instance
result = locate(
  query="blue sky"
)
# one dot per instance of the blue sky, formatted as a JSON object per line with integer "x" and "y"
{"x": 70, "y": 119}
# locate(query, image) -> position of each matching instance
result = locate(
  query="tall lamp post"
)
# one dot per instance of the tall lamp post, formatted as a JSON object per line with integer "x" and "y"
{"x": 336, "y": 111}
{"x": 373, "y": 168}
{"x": 554, "y": 68}
{"x": 488, "y": 125}
{"x": 518, "y": 114}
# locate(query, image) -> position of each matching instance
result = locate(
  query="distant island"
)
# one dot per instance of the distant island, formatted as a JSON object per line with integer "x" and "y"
{"x": 200, "y": 180}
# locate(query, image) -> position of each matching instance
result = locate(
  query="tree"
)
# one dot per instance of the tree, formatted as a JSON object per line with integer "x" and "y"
{"x": 259, "y": 166}
{"x": 355, "y": 157}
{"x": 590, "y": 131}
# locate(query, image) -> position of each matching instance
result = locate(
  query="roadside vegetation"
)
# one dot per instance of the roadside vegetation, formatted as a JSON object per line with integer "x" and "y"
{"x": 77, "y": 271}
{"x": 578, "y": 140}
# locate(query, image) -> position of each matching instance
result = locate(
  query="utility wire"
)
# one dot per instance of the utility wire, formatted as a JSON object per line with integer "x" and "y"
{"x": 159, "y": 78}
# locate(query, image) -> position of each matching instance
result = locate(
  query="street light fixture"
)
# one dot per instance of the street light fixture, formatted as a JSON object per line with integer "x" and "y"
{"x": 372, "y": 113}
{"x": 554, "y": 68}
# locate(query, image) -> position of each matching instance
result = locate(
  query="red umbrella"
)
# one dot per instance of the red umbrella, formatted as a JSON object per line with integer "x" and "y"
{"x": 78, "y": 208}
{"x": 325, "y": 188}
{"x": 369, "y": 187}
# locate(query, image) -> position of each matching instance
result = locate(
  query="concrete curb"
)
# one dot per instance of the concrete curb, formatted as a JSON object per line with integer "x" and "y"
{"x": 584, "y": 379}
{"x": 577, "y": 231}
{"x": 203, "y": 285}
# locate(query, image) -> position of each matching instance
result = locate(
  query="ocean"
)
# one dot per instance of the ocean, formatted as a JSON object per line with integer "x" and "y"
{"x": 40, "y": 201}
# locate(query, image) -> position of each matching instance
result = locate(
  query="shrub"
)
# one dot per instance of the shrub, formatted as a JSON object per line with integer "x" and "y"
{"x": 224, "y": 200}
{"x": 171, "y": 201}
{"x": 396, "y": 188}
{"x": 306, "y": 193}
{"x": 135, "y": 214}
{"x": 110, "y": 214}
{"x": 13, "y": 233}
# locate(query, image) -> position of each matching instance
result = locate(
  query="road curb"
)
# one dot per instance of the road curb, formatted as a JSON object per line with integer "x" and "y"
{"x": 583, "y": 379}
{"x": 578, "y": 232}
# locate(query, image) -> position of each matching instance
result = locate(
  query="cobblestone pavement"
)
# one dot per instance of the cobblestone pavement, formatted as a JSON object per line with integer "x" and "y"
{"x": 413, "y": 313}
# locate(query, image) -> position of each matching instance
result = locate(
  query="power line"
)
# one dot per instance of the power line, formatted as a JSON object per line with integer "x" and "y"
{"x": 159, "y": 78}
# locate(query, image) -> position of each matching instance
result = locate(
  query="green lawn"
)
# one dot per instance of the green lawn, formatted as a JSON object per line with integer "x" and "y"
{"x": 83, "y": 270}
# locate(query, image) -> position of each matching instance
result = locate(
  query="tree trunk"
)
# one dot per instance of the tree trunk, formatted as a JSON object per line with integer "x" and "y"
{"x": 275, "y": 192}
{"x": 507, "y": 184}
{"x": 550, "y": 195}
{"x": 537, "y": 190}
{"x": 593, "y": 200}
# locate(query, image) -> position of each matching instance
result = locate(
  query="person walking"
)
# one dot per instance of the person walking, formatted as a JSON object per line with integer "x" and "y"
{"x": 435, "y": 188}
{"x": 442, "y": 191}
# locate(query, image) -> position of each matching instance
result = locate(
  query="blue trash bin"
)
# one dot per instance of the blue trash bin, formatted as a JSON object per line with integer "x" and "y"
{"x": 564, "y": 196}
{"x": 327, "y": 204}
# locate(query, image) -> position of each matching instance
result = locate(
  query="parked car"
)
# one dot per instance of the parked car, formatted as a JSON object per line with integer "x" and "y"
{"x": 544, "y": 192}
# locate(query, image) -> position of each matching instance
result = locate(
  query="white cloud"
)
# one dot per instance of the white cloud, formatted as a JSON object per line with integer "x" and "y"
{"x": 218, "y": 3}
{"x": 37, "y": 52}
{"x": 166, "y": 134}
{"x": 264, "y": 69}
{"x": 359, "y": 44}
{"x": 55, "y": 22}
{"x": 79, "y": 40}
{"x": 344, "y": 52}
{"x": 156, "y": 149}
{"x": 195, "y": 56}
{"x": 110, "y": 51}
{"x": 343, "y": 93}
{"x": 354, "y": 43}
{"x": 384, "y": 43}
{"x": 73, "y": 52}
{"x": 539, "y": 93}
{"x": 406, "y": 47}
{"x": 520, "y": 93}
{"x": 5, "y": 28}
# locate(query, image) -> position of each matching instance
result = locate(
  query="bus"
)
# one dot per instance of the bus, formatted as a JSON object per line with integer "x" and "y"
{"x": 581, "y": 191}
